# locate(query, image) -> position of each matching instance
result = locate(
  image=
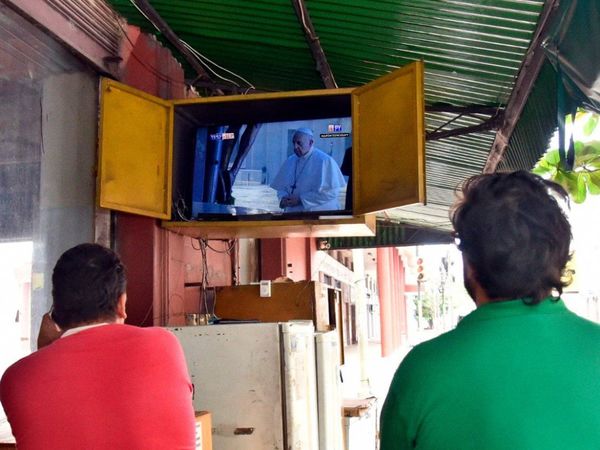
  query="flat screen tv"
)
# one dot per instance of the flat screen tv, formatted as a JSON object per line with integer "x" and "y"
{"x": 300, "y": 168}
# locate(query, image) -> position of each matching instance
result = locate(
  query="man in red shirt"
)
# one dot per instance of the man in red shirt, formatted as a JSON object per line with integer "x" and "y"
{"x": 99, "y": 383}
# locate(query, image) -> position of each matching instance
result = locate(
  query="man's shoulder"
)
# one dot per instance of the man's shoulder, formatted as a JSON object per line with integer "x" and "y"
{"x": 156, "y": 334}
{"x": 438, "y": 351}
{"x": 23, "y": 369}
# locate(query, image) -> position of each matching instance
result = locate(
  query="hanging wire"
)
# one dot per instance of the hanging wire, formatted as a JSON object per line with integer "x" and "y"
{"x": 202, "y": 59}
{"x": 230, "y": 243}
{"x": 203, "y": 245}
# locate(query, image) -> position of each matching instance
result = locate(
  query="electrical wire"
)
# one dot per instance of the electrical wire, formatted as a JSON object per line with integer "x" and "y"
{"x": 231, "y": 243}
{"x": 203, "y": 290}
{"x": 144, "y": 14}
{"x": 181, "y": 209}
{"x": 146, "y": 315}
{"x": 202, "y": 59}
{"x": 203, "y": 245}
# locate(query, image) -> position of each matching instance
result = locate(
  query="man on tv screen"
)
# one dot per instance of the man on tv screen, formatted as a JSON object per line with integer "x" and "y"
{"x": 309, "y": 180}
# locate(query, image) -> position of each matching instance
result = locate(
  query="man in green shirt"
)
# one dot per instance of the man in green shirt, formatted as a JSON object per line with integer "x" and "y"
{"x": 521, "y": 371}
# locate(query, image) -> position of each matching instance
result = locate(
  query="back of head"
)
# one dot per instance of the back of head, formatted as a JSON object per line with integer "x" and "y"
{"x": 514, "y": 234}
{"x": 86, "y": 285}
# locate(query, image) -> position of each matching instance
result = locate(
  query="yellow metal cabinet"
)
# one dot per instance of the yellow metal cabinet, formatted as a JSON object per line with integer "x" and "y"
{"x": 142, "y": 145}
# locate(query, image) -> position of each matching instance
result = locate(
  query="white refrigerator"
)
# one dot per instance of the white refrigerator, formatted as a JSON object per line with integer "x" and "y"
{"x": 329, "y": 391}
{"x": 258, "y": 381}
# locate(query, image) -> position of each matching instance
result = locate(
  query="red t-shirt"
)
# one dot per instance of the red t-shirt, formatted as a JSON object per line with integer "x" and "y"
{"x": 108, "y": 387}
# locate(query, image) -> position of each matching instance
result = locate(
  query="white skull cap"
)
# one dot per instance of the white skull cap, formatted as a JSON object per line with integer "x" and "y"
{"x": 305, "y": 130}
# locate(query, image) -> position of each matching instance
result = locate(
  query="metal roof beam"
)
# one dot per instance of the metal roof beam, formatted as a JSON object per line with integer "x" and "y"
{"x": 315, "y": 45}
{"x": 491, "y": 123}
{"x": 471, "y": 109}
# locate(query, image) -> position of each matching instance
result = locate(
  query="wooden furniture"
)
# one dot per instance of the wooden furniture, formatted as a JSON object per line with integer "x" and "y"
{"x": 203, "y": 430}
{"x": 304, "y": 300}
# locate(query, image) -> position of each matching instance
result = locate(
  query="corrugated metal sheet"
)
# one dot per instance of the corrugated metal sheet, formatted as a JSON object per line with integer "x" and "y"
{"x": 95, "y": 18}
{"x": 472, "y": 51}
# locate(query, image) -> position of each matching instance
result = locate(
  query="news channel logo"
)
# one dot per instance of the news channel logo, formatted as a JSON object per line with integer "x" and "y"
{"x": 335, "y": 130}
{"x": 222, "y": 136}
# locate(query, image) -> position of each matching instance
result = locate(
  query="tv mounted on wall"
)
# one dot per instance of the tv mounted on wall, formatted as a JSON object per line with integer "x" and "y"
{"x": 151, "y": 158}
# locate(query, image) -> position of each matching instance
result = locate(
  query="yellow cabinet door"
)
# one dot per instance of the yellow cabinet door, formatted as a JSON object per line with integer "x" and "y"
{"x": 134, "y": 165}
{"x": 388, "y": 121}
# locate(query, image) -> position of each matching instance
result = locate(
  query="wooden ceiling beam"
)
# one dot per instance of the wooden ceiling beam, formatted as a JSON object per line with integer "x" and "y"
{"x": 152, "y": 15}
{"x": 528, "y": 73}
{"x": 315, "y": 45}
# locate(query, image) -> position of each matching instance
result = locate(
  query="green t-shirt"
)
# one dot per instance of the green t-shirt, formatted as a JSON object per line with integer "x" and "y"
{"x": 510, "y": 376}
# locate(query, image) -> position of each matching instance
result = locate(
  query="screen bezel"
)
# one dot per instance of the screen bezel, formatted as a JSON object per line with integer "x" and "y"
{"x": 189, "y": 117}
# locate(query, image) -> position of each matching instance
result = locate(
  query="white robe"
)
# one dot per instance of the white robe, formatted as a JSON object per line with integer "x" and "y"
{"x": 315, "y": 178}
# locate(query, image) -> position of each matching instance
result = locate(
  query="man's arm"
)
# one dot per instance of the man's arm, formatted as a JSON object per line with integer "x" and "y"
{"x": 288, "y": 201}
{"x": 49, "y": 331}
{"x": 392, "y": 427}
{"x": 312, "y": 199}
{"x": 401, "y": 414}
{"x": 326, "y": 182}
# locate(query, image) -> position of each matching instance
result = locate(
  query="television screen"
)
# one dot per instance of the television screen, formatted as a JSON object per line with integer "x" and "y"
{"x": 273, "y": 169}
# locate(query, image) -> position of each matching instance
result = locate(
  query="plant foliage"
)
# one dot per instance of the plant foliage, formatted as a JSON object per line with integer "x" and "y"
{"x": 584, "y": 179}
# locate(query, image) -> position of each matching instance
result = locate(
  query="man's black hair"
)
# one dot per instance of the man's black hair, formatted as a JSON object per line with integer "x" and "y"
{"x": 86, "y": 284}
{"x": 514, "y": 234}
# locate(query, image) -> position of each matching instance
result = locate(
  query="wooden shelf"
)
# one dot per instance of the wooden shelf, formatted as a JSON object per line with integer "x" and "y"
{"x": 353, "y": 226}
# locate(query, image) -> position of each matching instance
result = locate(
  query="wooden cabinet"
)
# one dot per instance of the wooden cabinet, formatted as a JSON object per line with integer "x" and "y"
{"x": 304, "y": 300}
{"x": 144, "y": 147}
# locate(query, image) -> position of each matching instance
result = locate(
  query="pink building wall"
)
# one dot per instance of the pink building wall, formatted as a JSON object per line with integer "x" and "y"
{"x": 159, "y": 263}
{"x": 392, "y": 301}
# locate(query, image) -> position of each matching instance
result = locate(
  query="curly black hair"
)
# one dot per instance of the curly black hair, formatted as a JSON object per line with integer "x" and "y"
{"x": 514, "y": 233}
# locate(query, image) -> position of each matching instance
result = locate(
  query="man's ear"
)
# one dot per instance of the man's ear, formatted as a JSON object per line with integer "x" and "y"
{"x": 121, "y": 308}
{"x": 472, "y": 285}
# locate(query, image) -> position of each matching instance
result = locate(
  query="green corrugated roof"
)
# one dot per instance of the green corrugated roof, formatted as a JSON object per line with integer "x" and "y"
{"x": 472, "y": 49}
{"x": 392, "y": 235}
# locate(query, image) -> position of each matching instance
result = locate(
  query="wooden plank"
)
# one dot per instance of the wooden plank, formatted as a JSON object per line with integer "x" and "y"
{"x": 353, "y": 226}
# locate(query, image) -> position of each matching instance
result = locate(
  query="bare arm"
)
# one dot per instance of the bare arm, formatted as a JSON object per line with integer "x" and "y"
{"x": 49, "y": 331}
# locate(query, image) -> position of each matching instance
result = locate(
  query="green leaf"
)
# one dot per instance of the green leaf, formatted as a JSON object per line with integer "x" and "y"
{"x": 589, "y": 156}
{"x": 581, "y": 188}
{"x": 573, "y": 184}
{"x": 568, "y": 119}
{"x": 592, "y": 165}
{"x": 552, "y": 157}
{"x": 590, "y": 125}
{"x": 592, "y": 147}
{"x": 593, "y": 182}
